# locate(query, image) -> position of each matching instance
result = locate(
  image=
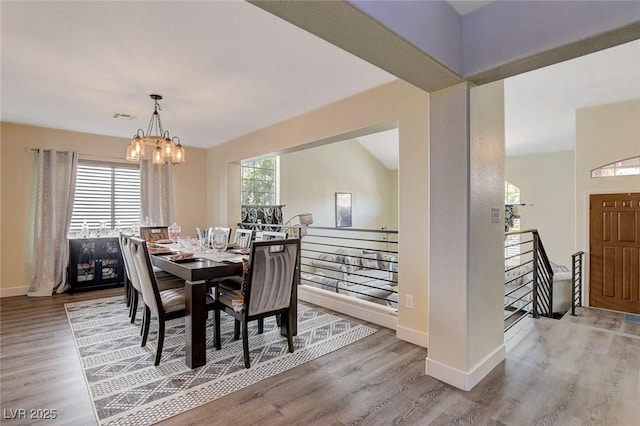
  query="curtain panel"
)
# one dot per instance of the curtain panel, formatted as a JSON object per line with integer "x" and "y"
{"x": 262, "y": 214}
{"x": 56, "y": 186}
{"x": 156, "y": 194}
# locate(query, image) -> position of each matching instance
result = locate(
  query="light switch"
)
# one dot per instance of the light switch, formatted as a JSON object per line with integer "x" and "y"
{"x": 496, "y": 215}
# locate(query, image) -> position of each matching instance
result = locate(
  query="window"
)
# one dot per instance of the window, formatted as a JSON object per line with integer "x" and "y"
{"x": 107, "y": 192}
{"x": 512, "y": 223}
{"x": 511, "y": 193}
{"x": 260, "y": 180}
{"x": 512, "y": 206}
{"x": 628, "y": 167}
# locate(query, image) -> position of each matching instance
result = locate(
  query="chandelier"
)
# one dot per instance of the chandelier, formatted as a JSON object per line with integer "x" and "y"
{"x": 166, "y": 148}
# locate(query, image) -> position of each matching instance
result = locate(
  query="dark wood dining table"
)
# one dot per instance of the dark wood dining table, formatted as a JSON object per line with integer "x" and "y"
{"x": 196, "y": 272}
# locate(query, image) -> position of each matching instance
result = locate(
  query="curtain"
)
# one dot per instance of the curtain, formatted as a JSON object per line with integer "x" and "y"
{"x": 262, "y": 214}
{"x": 508, "y": 217}
{"x": 156, "y": 193}
{"x": 55, "y": 191}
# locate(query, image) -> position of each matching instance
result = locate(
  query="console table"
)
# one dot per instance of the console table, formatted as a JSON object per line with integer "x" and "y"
{"x": 95, "y": 263}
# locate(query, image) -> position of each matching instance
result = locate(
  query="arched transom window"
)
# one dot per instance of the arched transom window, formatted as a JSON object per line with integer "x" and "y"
{"x": 628, "y": 167}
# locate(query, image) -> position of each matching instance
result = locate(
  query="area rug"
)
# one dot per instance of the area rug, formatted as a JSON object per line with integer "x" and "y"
{"x": 632, "y": 319}
{"x": 126, "y": 388}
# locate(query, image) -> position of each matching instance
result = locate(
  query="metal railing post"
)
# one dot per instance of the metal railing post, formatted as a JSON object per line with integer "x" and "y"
{"x": 535, "y": 275}
{"x": 576, "y": 280}
{"x": 581, "y": 286}
{"x": 573, "y": 285}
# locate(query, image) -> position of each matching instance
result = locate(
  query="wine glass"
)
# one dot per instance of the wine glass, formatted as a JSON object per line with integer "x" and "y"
{"x": 174, "y": 233}
{"x": 219, "y": 240}
{"x": 203, "y": 238}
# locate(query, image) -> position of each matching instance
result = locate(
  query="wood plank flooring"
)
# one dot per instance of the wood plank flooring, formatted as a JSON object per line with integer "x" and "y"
{"x": 578, "y": 370}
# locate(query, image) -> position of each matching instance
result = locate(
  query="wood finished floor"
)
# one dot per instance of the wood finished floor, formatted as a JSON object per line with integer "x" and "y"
{"x": 578, "y": 370}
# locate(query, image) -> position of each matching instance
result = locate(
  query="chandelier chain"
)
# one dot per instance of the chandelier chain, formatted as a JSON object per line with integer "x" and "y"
{"x": 155, "y": 119}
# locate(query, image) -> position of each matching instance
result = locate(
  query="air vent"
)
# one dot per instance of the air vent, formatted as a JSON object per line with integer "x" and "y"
{"x": 120, "y": 115}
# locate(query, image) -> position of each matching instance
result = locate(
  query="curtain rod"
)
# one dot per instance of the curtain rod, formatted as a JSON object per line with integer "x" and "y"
{"x": 86, "y": 156}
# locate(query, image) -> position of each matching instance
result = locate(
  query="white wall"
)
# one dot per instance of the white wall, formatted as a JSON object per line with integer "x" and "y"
{"x": 310, "y": 178}
{"x": 466, "y": 338}
{"x": 604, "y": 134}
{"x": 398, "y": 103}
{"x": 393, "y": 199}
{"x": 547, "y": 186}
{"x": 19, "y": 183}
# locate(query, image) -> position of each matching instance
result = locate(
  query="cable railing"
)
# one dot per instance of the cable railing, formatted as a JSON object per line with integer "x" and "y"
{"x": 360, "y": 263}
{"x": 576, "y": 280}
{"x": 528, "y": 278}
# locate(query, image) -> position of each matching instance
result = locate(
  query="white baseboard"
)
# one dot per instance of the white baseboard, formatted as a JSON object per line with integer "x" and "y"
{"x": 13, "y": 291}
{"x": 368, "y": 311}
{"x": 463, "y": 380}
{"x": 412, "y": 336}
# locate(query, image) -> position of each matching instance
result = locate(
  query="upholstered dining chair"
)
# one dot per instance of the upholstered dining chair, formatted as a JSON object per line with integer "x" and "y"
{"x": 268, "y": 290}
{"x": 272, "y": 235}
{"x": 228, "y": 231}
{"x": 154, "y": 233}
{"x": 242, "y": 238}
{"x": 165, "y": 280}
{"x": 166, "y": 304}
{"x": 132, "y": 289}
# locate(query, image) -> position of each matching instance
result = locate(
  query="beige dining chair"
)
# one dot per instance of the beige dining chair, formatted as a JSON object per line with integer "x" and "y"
{"x": 272, "y": 235}
{"x": 165, "y": 280}
{"x": 242, "y": 238}
{"x": 166, "y": 304}
{"x": 154, "y": 233}
{"x": 132, "y": 285}
{"x": 266, "y": 291}
{"x": 228, "y": 231}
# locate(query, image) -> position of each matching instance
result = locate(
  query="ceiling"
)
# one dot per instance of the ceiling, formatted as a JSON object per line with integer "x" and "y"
{"x": 464, "y": 7}
{"x": 540, "y": 106}
{"x": 226, "y": 69}
{"x": 384, "y": 146}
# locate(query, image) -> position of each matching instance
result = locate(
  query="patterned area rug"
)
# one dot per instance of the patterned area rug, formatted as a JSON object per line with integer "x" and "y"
{"x": 126, "y": 388}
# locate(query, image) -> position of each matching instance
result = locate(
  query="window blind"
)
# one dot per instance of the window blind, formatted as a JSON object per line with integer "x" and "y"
{"x": 108, "y": 192}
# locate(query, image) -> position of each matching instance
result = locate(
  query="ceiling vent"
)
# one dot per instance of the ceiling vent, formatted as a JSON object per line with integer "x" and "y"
{"x": 125, "y": 116}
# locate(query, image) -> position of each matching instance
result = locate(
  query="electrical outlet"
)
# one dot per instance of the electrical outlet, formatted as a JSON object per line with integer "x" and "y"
{"x": 408, "y": 301}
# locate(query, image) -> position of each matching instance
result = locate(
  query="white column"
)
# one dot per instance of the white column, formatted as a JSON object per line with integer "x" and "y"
{"x": 466, "y": 261}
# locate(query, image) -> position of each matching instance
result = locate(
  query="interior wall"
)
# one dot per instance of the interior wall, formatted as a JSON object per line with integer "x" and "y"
{"x": 486, "y": 236}
{"x": 310, "y": 178}
{"x": 604, "y": 134}
{"x": 19, "y": 183}
{"x": 547, "y": 187}
{"x": 466, "y": 292}
{"x": 393, "y": 199}
{"x": 396, "y": 102}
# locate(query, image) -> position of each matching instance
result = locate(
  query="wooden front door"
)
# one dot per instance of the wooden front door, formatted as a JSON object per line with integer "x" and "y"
{"x": 614, "y": 252}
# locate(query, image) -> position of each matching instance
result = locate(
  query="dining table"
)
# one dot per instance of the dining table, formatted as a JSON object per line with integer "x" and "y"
{"x": 198, "y": 271}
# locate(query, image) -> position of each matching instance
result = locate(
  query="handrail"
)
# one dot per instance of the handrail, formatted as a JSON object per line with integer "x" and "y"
{"x": 576, "y": 280}
{"x": 529, "y": 288}
{"x": 524, "y": 231}
{"x": 547, "y": 280}
{"x": 330, "y": 228}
